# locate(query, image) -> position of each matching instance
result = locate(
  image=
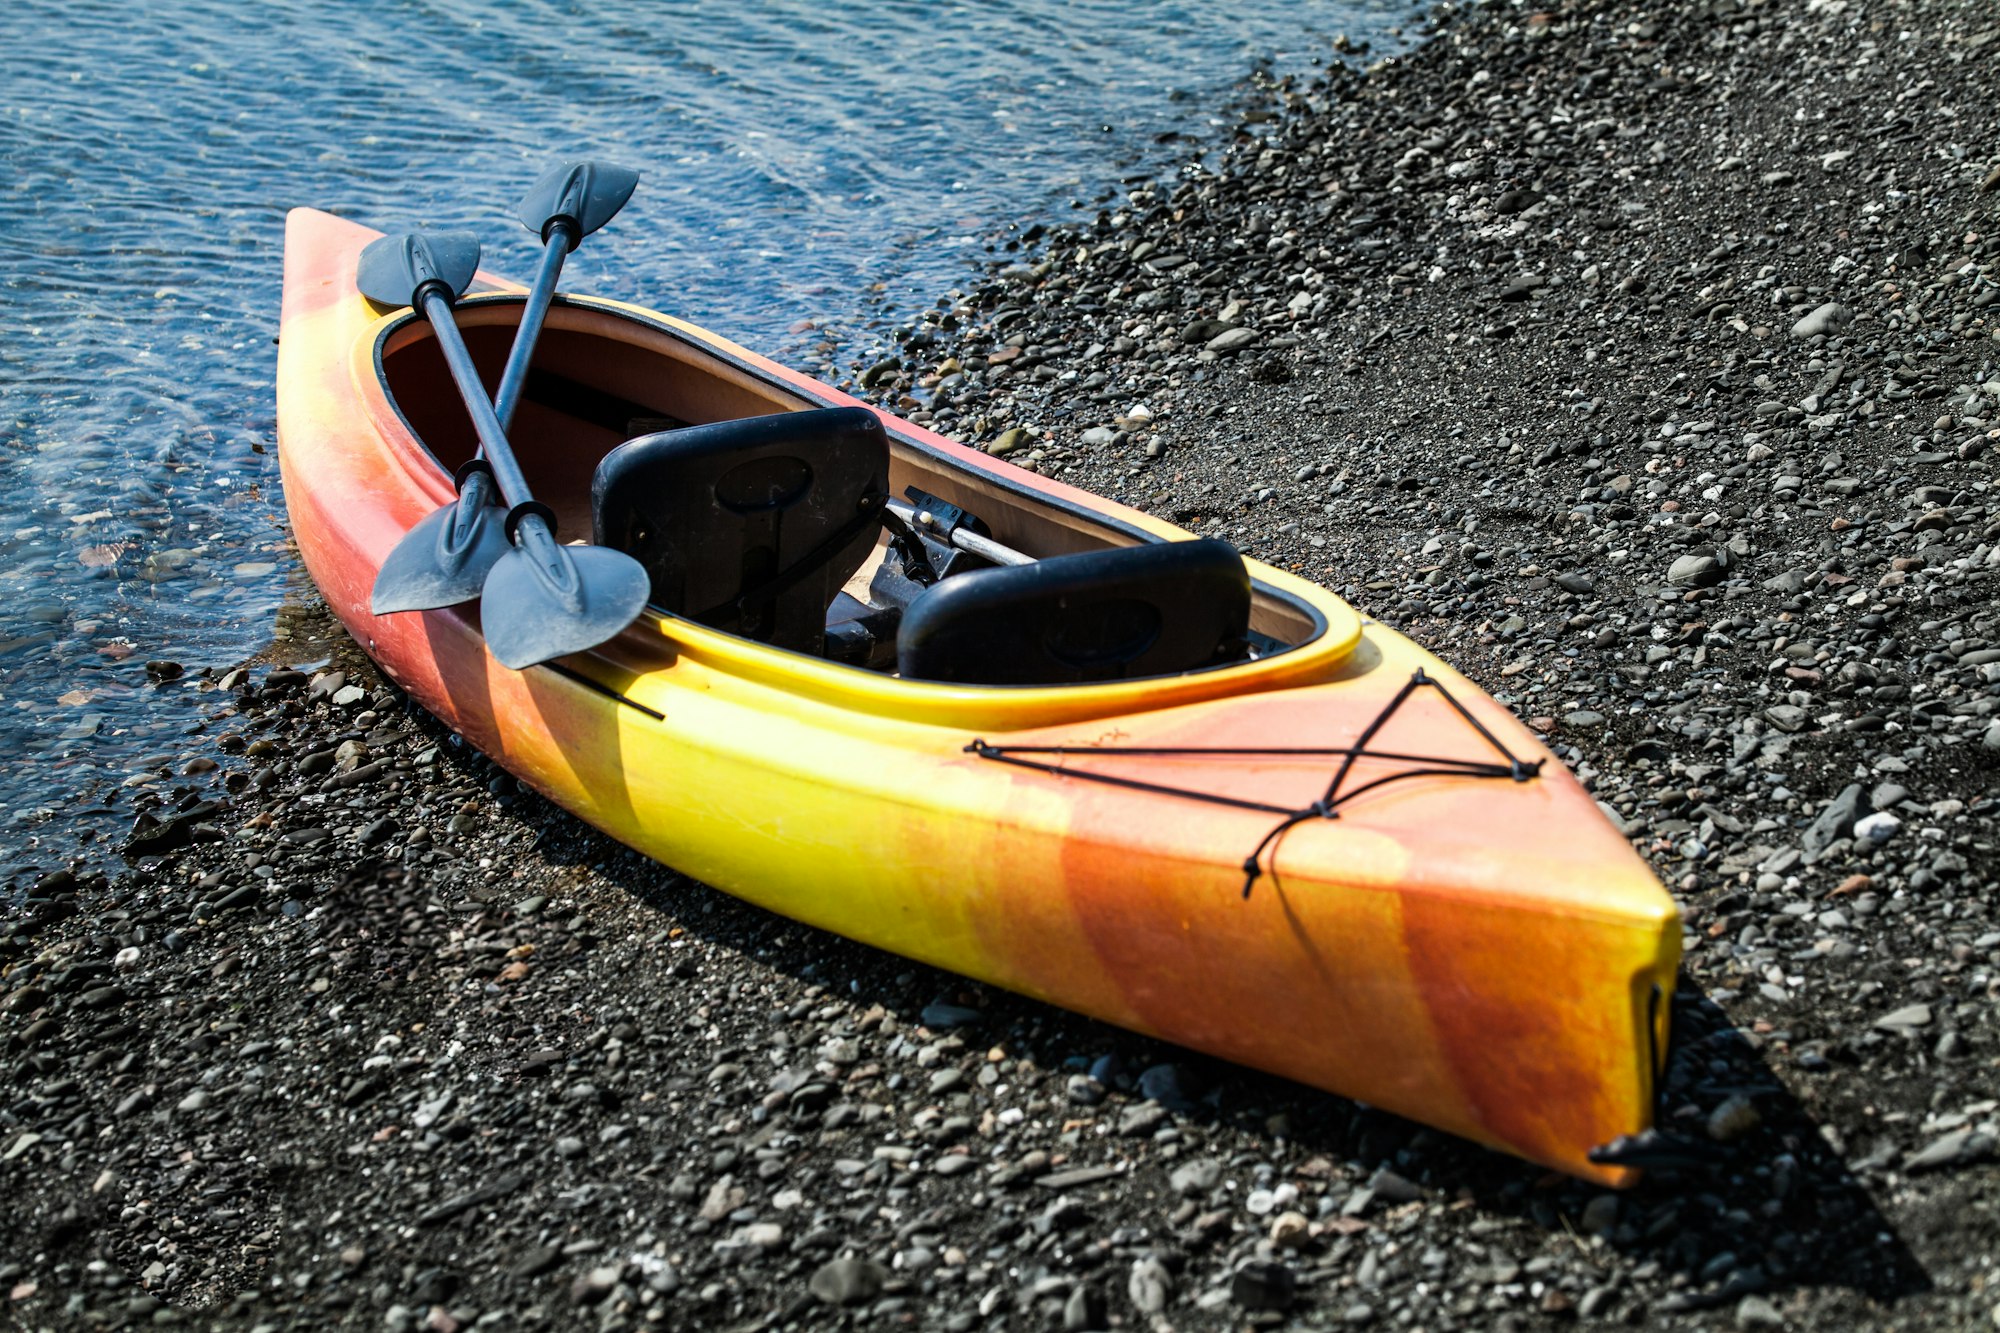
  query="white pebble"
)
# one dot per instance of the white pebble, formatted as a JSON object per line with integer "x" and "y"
{"x": 1876, "y": 828}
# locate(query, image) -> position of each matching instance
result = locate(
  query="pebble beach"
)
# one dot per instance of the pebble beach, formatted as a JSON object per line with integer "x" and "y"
{"x": 1642, "y": 361}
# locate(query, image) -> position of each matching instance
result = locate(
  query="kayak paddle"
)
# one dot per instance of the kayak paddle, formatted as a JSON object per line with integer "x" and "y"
{"x": 541, "y": 599}
{"x": 445, "y": 559}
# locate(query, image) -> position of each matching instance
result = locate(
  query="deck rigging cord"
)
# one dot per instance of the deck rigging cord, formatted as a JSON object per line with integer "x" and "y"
{"x": 1329, "y": 803}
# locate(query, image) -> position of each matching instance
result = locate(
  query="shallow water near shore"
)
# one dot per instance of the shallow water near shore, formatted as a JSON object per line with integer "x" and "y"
{"x": 801, "y": 165}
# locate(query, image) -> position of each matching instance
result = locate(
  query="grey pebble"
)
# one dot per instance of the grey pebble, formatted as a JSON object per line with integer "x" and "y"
{"x": 1151, "y": 1285}
{"x": 1695, "y": 571}
{"x": 848, "y": 1281}
{"x": 1197, "y": 1177}
{"x": 942, "y": 1017}
{"x": 1958, "y": 1148}
{"x": 1264, "y": 1285}
{"x": 1908, "y": 1018}
{"x": 1829, "y": 318}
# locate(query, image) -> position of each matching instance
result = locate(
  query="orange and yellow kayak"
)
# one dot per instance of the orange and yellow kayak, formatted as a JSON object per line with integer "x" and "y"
{"x": 1338, "y": 860}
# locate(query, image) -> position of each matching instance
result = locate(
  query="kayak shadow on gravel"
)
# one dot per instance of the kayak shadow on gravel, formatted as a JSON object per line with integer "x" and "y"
{"x": 1763, "y": 1207}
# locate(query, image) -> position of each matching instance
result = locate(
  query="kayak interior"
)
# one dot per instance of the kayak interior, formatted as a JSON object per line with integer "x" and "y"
{"x": 606, "y": 375}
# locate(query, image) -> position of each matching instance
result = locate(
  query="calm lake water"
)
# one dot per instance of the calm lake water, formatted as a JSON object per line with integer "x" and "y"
{"x": 832, "y": 163}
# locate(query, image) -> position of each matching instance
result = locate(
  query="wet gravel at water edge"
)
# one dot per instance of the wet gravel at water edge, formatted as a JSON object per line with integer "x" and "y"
{"x": 1643, "y": 364}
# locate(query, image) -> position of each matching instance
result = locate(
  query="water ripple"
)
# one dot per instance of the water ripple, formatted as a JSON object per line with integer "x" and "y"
{"x": 801, "y": 161}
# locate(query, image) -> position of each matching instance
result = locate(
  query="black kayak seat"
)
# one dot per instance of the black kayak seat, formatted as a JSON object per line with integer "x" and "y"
{"x": 1157, "y": 609}
{"x": 750, "y": 525}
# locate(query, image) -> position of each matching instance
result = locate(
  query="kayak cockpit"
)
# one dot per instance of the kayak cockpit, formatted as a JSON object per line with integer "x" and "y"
{"x": 781, "y": 528}
{"x": 761, "y": 510}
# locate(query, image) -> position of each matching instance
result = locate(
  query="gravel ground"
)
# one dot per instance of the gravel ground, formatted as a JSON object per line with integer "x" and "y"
{"x": 1643, "y": 361}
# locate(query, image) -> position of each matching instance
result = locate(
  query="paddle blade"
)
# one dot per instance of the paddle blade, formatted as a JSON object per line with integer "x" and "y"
{"x": 537, "y": 609}
{"x": 444, "y": 560}
{"x": 586, "y": 195}
{"x": 394, "y": 270}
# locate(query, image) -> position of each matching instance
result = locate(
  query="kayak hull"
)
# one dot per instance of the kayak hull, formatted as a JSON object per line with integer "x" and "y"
{"x": 1487, "y": 955}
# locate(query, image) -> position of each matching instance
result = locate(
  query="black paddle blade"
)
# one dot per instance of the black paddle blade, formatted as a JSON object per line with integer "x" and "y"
{"x": 586, "y": 195}
{"x": 444, "y": 560}
{"x": 395, "y": 270}
{"x": 563, "y": 600}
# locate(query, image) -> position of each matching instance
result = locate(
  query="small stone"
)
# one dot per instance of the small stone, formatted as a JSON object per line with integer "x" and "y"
{"x": 848, "y": 1281}
{"x": 1291, "y": 1231}
{"x": 1877, "y": 828}
{"x": 1907, "y": 1019}
{"x": 1834, "y": 821}
{"x": 281, "y": 679}
{"x": 1695, "y": 571}
{"x": 1261, "y": 1285}
{"x": 1084, "y": 1310}
{"x": 1142, "y": 1119}
{"x": 723, "y": 1198}
{"x": 1595, "y": 1302}
{"x": 1232, "y": 340}
{"x": 942, "y": 1017}
{"x": 1196, "y": 1177}
{"x": 1828, "y": 319}
{"x": 1736, "y": 1117}
{"x": 1600, "y": 1215}
{"x": 593, "y": 1286}
{"x": 1151, "y": 1285}
{"x": 1396, "y": 1189}
{"x": 1787, "y": 717}
{"x": 1789, "y": 582}
{"x": 1958, "y": 1148}
{"x": 537, "y": 1260}
{"x": 1167, "y": 1085}
{"x": 1754, "y": 1312}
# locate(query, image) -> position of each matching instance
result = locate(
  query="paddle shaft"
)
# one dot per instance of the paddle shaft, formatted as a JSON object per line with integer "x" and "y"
{"x": 531, "y": 533}
{"x": 492, "y": 435}
{"x": 562, "y": 238}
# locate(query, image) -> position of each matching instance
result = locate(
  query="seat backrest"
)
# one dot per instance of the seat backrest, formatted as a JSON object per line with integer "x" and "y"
{"x": 1151, "y": 610}
{"x": 750, "y": 525}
